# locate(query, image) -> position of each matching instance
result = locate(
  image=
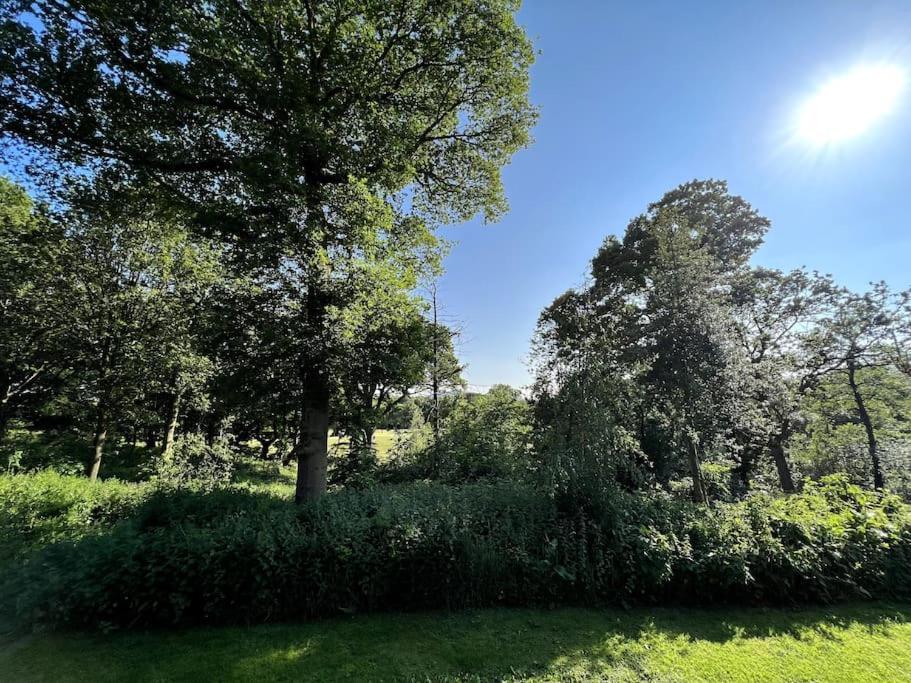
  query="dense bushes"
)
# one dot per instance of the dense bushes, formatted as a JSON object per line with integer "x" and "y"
{"x": 229, "y": 555}
{"x": 41, "y": 508}
{"x": 482, "y": 437}
{"x": 192, "y": 462}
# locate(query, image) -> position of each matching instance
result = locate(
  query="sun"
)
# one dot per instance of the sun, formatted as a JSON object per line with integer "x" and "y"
{"x": 849, "y": 104}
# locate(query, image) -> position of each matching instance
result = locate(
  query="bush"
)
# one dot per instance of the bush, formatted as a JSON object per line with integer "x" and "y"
{"x": 193, "y": 463}
{"x": 186, "y": 556}
{"x": 45, "y": 507}
{"x": 24, "y": 451}
{"x": 484, "y": 436}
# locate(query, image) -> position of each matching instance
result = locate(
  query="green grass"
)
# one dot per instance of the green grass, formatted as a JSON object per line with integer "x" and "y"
{"x": 273, "y": 478}
{"x": 124, "y": 462}
{"x": 383, "y": 440}
{"x": 846, "y": 643}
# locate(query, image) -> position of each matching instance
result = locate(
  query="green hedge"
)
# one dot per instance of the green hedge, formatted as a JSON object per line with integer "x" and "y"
{"x": 229, "y": 556}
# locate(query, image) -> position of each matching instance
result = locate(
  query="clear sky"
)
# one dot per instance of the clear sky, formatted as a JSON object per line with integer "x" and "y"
{"x": 637, "y": 97}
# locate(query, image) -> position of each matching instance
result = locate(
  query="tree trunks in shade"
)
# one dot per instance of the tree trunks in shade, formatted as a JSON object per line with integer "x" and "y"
{"x": 4, "y": 421}
{"x": 872, "y": 448}
{"x": 313, "y": 449}
{"x": 781, "y": 463}
{"x": 104, "y": 402}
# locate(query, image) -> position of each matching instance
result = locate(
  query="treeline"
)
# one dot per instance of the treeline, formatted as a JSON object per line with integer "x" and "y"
{"x": 681, "y": 359}
{"x": 121, "y": 328}
{"x": 238, "y": 208}
{"x": 240, "y": 202}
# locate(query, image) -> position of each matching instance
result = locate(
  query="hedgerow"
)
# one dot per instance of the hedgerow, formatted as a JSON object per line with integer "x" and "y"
{"x": 184, "y": 556}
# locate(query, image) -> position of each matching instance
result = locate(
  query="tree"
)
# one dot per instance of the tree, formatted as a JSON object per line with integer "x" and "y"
{"x": 254, "y": 340}
{"x": 133, "y": 277}
{"x": 390, "y": 347}
{"x": 775, "y": 312}
{"x": 33, "y": 302}
{"x": 692, "y": 368}
{"x": 586, "y": 398}
{"x": 180, "y": 358}
{"x": 279, "y": 125}
{"x": 486, "y": 435}
{"x": 648, "y": 344}
{"x": 725, "y": 226}
{"x": 855, "y": 336}
{"x": 444, "y": 374}
{"x": 899, "y": 345}
{"x": 834, "y": 439}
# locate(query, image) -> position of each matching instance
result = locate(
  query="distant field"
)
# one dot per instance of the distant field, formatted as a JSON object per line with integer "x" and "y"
{"x": 850, "y": 644}
{"x": 383, "y": 440}
{"x": 127, "y": 464}
{"x": 273, "y": 477}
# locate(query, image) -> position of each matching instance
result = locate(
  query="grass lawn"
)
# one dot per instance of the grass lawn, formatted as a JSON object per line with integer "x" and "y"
{"x": 383, "y": 441}
{"x": 845, "y": 643}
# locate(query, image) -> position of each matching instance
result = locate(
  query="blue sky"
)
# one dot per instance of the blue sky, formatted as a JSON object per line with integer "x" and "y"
{"x": 637, "y": 97}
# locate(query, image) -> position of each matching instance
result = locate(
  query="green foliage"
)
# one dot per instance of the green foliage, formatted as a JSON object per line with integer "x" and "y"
{"x": 33, "y": 305}
{"x": 65, "y": 453}
{"x": 193, "y": 463}
{"x": 319, "y": 188}
{"x": 677, "y": 352}
{"x": 833, "y": 438}
{"x": 437, "y": 90}
{"x": 482, "y": 436}
{"x": 650, "y": 343}
{"x": 229, "y": 555}
{"x": 46, "y": 507}
{"x": 486, "y": 436}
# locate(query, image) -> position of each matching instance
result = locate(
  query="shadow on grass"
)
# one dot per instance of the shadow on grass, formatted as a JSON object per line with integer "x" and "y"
{"x": 473, "y": 645}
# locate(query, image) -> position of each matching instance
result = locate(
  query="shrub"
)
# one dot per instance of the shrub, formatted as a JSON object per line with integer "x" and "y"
{"x": 484, "y": 436}
{"x": 24, "y": 451}
{"x": 193, "y": 463}
{"x": 46, "y": 507}
{"x": 230, "y": 555}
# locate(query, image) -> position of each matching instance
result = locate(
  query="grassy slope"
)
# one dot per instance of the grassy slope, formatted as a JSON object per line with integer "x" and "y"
{"x": 845, "y": 643}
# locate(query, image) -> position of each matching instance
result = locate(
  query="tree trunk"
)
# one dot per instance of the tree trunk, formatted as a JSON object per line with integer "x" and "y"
{"x": 313, "y": 449}
{"x": 210, "y": 432}
{"x": 368, "y": 437}
{"x": 878, "y": 481}
{"x": 101, "y": 435}
{"x": 288, "y": 457}
{"x": 4, "y": 422}
{"x": 171, "y": 429}
{"x": 699, "y": 494}
{"x": 776, "y": 446}
{"x": 5, "y": 408}
{"x": 744, "y": 469}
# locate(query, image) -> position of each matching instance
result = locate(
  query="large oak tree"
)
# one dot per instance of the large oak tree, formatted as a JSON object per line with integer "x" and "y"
{"x": 280, "y": 125}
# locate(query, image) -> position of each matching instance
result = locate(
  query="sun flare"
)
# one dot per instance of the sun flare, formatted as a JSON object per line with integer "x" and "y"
{"x": 848, "y": 105}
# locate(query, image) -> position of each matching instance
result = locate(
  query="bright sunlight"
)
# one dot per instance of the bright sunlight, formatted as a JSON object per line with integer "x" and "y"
{"x": 848, "y": 105}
